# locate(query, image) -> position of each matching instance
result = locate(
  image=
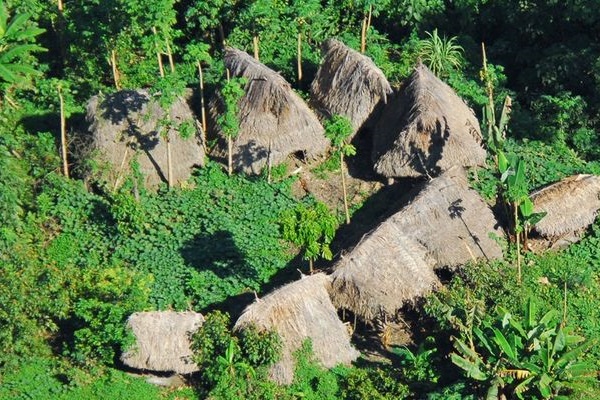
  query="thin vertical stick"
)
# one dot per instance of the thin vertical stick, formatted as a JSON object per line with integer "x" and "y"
{"x": 229, "y": 140}
{"x": 269, "y": 163}
{"x": 202, "y": 106}
{"x": 363, "y": 35}
{"x": 170, "y": 56}
{"x": 158, "y": 55}
{"x": 299, "y": 61}
{"x": 344, "y": 188}
{"x": 169, "y": 160}
{"x": 255, "y": 43}
{"x": 115, "y": 70}
{"x": 63, "y": 134}
{"x": 518, "y": 244}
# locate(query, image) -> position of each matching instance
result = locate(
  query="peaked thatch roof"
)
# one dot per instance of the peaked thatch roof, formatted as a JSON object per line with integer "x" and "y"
{"x": 298, "y": 311}
{"x": 162, "y": 341}
{"x": 383, "y": 272}
{"x": 572, "y": 204}
{"x": 425, "y": 130}
{"x": 274, "y": 120}
{"x": 348, "y": 83}
{"x": 125, "y": 123}
{"x": 451, "y": 221}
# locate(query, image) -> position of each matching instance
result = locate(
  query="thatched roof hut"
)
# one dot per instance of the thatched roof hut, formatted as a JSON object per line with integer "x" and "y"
{"x": 125, "y": 125}
{"x": 274, "y": 121}
{"x": 162, "y": 341}
{"x": 572, "y": 204}
{"x": 348, "y": 83}
{"x": 425, "y": 130}
{"x": 451, "y": 221}
{"x": 383, "y": 272}
{"x": 298, "y": 311}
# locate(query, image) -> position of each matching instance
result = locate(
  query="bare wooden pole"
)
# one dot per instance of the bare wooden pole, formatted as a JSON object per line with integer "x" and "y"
{"x": 158, "y": 54}
{"x": 170, "y": 56}
{"x": 169, "y": 160}
{"x": 344, "y": 187}
{"x": 229, "y": 140}
{"x": 63, "y": 133}
{"x": 299, "y": 60}
{"x": 202, "y": 106}
{"x": 115, "y": 70}
{"x": 255, "y": 44}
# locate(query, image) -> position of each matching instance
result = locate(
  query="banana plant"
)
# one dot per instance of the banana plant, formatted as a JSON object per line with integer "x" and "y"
{"x": 528, "y": 357}
{"x": 17, "y": 44}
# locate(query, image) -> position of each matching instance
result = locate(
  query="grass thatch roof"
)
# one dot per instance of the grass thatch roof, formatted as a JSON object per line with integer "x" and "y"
{"x": 274, "y": 120}
{"x": 348, "y": 83}
{"x": 298, "y": 311}
{"x": 383, "y": 272}
{"x": 125, "y": 123}
{"x": 162, "y": 341}
{"x": 425, "y": 130}
{"x": 572, "y": 204}
{"x": 451, "y": 221}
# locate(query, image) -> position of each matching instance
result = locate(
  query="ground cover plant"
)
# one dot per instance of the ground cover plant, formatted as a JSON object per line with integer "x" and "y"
{"x": 78, "y": 255}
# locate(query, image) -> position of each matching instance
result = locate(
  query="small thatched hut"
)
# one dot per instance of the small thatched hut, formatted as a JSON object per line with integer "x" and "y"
{"x": 298, "y": 311}
{"x": 571, "y": 204}
{"x": 162, "y": 341}
{"x": 274, "y": 121}
{"x": 383, "y": 272}
{"x": 425, "y": 130}
{"x": 348, "y": 83}
{"x": 451, "y": 221}
{"x": 125, "y": 125}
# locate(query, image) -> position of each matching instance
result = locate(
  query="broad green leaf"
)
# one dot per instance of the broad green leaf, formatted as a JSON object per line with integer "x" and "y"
{"x": 471, "y": 369}
{"x": 501, "y": 341}
{"x": 526, "y": 207}
{"x": 502, "y": 162}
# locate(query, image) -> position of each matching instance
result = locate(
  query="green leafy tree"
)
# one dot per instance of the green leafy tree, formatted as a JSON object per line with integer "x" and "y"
{"x": 17, "y": 45}
{"x": 229, "y": 122}
{"x": 338, "y": 129}
{"x": 312, "y": 228}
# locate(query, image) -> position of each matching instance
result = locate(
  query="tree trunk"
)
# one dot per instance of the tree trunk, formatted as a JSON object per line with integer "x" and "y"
{"x": 63, "y": 134}
{"x": 222, "y": 35}
{"x": 61, "y": 31}
{"x": 170, "y": 56}
{"x": 169, "y": 161}
{"x": 344, "y": 188}
{"x": 255, "y": 44}
{"x": 518, "y": 235}
{"x": 299, "y": 60}
{"x": 363, "y": 35}
{"x": 158, "y": 54}
{"x": 115, "y": 70}
{"x": 202, "y": 106}
{"x": 229, "y": 155}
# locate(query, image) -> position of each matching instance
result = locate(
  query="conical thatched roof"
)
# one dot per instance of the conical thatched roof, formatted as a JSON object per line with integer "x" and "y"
{"x": 124, "y": 125}
{"x": 298, "y": 311}
{"x": 273, "y": 118}
{"x": 348, "y": 83}
{"x": 451, "y": 221}
{"x": 383, "y": 272}
{"x": 425, "y": 130}
{"x": 572, "y": 204}
{"x": 162, "y": 341}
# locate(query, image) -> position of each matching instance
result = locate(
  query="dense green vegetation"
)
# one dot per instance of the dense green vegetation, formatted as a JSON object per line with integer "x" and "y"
{"x": 77, "y": 257}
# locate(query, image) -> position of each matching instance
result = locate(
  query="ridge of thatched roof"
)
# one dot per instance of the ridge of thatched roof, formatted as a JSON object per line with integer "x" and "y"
{"x": 383, "y": 272}
{"x": 162, "y": 341}
{"x": 125, "y": 125}
{"x": 451, "y": 221}
{"x": 274, "y": 121}
{"x": 572, "y": 204}
{"x": 426, "y": 129}
{"x": 348, "y": 83}
{"x": 298, "y": 311}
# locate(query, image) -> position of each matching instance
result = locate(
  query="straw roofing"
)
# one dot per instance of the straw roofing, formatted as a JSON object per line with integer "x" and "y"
{"x": 274, "y": 120}
{"x": 383, "y": 272}
{"x": 348, "y": 83}
{"x": 125, "y": 123}
{"x": 451, "y": 221}
{"x": 425, "y": 130}
{"x": 572, "y": 204}
{"x": 298, "y": 311}
{"x": 162, "y": 341}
